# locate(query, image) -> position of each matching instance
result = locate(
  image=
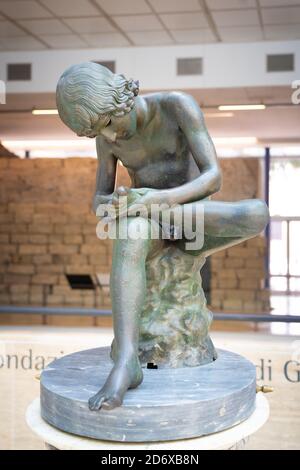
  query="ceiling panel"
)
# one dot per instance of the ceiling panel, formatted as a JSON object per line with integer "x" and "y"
{"x": 51, "y": 26}
{"x": 8, "y": 29}
{"x": 64, "y": 41}
{"x": 193, "y": 36}
{"x": 286, "y": 15}
{"x": 71, "y": 7}
{"x": 230, "y": 4}
{"x": 176, "y": 21}
{"x": 150, "y": 38}
{"x": 90, "y": 25}
{"x": 241, "y": 34}
{"x": 185, "y": 20}
{"x": 21, "y": 43}
{"x": 282, "y": 32}
{"x": 18, "y": 9}
{"x": 169, "y": 6}
{"x": 236, "y": 18}
{"x": 106, "y": 40}
{"x": 138, "y": 23}
{"x": 278, "y": 3}
{"x": 121, "y": 7}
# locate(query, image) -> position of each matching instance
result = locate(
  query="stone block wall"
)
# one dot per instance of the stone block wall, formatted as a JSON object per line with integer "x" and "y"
{"x": 47, "y": 230}
{"x": 239, "y": 273}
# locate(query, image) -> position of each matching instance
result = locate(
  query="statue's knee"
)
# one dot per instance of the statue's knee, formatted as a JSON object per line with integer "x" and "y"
{"x": 263, "y": 214}
{"x": 256, "y": 215}
{"x": 133, "y": 228}
{"x": 138, "y": 228}
{"x": 134, "y": 243}
{"x": 260, "y": 215}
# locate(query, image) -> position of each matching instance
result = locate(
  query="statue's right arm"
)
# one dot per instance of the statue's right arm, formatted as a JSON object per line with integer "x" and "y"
{"x": 106, "y": 174}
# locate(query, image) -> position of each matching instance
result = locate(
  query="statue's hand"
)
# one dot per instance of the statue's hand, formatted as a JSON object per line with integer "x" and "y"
{"x": 143, "y": 201}
{"x": 101, "y": 200}
{"x": 132, "y": 201}
{"x": 148, "y": 196}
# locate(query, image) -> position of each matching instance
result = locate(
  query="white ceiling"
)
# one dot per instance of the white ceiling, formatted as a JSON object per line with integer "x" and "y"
{"x": 74, "y": 24}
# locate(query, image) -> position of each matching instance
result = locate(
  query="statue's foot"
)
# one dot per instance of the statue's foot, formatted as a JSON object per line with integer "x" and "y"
{"x": 124, "y": 375}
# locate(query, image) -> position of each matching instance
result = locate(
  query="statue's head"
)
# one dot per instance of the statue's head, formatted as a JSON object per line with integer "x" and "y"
{"x": 91, "y": 98}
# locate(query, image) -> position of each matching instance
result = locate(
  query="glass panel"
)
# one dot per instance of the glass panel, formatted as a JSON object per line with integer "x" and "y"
{"x": 295, "y": 284}
{"x": 284, "y": 187}
{"x": 278, "y": 283}
{"x": 279, "y": 304}
{"x": 278, "y": 247}
{"x": 294, "y": 248}
{"x": 282, "y": 304}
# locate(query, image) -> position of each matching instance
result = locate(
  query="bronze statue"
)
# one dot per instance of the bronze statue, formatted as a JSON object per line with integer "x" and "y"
{"x": 162, "y": 140}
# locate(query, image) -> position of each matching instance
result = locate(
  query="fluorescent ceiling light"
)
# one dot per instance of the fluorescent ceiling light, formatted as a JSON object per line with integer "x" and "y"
{"x": 218, "y": 115}
{"x": 40, "y": 112}
{"x": 235, "y": 141}
{"x": 53, "y": 148}
{"x": 39, "y": 144}
{"x": 241, "y": 107}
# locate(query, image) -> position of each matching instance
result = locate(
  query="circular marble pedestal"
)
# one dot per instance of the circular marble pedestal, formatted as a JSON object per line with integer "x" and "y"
{"x": 234, "y": 438}
{"x": 170, "y": 404}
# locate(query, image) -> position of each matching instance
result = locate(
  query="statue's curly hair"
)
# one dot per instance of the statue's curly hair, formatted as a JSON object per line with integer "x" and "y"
{"x": 88, "y": 91}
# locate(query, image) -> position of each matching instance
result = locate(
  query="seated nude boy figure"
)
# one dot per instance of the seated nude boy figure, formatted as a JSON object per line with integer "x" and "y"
{"x": 162, "y": 140}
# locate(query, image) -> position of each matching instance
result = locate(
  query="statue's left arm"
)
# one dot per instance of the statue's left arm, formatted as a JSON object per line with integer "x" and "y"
{"x": 190, "y": 120}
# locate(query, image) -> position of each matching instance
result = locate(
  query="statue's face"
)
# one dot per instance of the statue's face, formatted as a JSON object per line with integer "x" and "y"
{"x": 114, "y": 128}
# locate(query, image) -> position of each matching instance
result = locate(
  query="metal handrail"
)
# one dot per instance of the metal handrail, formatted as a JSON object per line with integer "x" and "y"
{"x": 94, "y": 312}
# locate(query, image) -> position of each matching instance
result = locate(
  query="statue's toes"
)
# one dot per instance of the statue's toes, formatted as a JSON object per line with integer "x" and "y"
{"x": 111, "y": 403}
{"x": 96, "y": 401}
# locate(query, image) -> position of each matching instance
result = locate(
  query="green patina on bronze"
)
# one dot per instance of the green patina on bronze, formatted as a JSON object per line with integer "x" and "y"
{"x": 159, "y": 309}
{"x": 175, "y": 320}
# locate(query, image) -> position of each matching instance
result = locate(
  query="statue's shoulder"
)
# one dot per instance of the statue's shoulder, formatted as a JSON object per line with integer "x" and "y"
{"x": 176, "y": 95}
{"x": 167, "y": 97}
{"x": 174, "y": 103}
{"x": 179, "y": 100}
